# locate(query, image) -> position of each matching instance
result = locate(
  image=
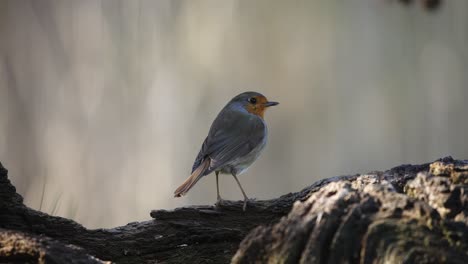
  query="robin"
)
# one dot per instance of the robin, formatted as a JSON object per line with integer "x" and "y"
{"x": 235, "y": 140}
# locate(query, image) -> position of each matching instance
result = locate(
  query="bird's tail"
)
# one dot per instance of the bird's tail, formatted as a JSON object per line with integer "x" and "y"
{"x": 190, "y": 181}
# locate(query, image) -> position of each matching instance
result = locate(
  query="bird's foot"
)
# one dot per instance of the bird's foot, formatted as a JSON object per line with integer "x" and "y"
{"x": 219, "y": 201}
{"x": 244, "y": 208}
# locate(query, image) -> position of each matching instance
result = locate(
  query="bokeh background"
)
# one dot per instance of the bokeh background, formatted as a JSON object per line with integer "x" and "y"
{"x": 104, "y": 104}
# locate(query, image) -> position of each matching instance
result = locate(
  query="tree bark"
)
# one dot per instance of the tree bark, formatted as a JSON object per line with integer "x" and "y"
{"x": 411, "y": 213}
{"x": 197, "y": 234}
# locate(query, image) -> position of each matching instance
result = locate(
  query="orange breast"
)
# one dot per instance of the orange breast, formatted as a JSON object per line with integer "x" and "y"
{"x": 258, "y": 108}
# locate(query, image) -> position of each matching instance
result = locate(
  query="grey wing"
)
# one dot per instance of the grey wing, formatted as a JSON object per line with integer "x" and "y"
{"x": 238, "y": 137}
{"x": 201, "y": 156}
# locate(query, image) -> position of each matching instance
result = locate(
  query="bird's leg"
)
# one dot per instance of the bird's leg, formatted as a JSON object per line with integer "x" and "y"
{"x": 245, "y": 196}
{"x": 219, "y": 200}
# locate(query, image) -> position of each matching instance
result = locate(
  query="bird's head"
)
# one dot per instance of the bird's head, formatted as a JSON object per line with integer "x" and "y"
{"x": 255, "y": 103}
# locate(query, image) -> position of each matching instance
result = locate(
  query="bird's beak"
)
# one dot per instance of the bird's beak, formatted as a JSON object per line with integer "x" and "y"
{"x": 268, "y": 104}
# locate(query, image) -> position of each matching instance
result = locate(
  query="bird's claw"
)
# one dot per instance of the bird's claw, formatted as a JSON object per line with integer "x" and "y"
{"x": 219, "y": 201}
{"x": 244, "y": 207}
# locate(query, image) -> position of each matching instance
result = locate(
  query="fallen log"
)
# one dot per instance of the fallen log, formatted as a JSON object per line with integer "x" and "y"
{"x": 411, "y": 213}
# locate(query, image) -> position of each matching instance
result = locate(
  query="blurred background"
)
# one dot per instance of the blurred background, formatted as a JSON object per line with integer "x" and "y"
{"x": 104, "y": 104}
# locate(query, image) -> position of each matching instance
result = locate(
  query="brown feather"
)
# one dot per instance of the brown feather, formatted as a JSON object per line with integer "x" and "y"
{"x": 190, "y": 181}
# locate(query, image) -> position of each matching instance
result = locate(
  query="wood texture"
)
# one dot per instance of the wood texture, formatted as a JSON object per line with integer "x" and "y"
{"x": 409, "y": 214}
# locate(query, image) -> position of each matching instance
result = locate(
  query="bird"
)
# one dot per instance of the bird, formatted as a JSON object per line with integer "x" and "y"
{"x": 235, "y": 140}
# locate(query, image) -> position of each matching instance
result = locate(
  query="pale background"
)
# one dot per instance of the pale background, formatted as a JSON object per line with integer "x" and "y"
{"x": 104, "y": 104}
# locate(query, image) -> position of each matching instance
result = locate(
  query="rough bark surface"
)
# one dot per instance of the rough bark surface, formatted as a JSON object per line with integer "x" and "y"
{"x": 198, "y": 234}
{"x": 409, "y": 214}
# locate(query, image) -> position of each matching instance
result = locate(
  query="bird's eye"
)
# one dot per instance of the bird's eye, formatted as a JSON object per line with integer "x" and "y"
{"x": 253, "y": 100}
